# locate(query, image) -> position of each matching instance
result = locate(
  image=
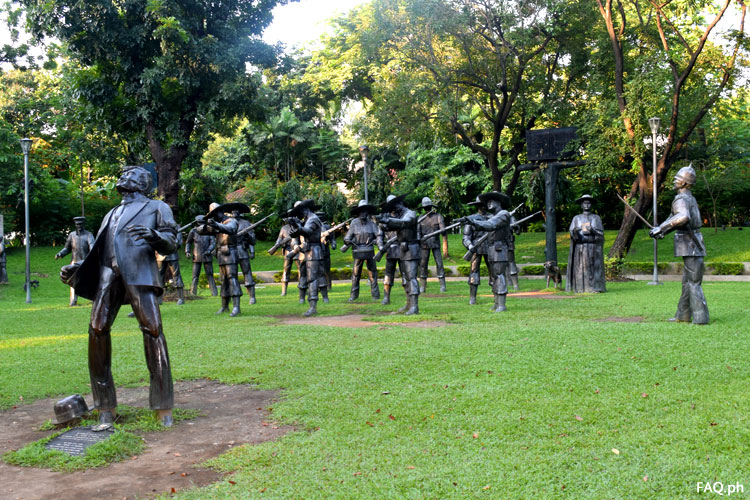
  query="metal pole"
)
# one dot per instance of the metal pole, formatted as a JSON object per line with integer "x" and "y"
{"x": 80, "y": 162}
{"x": 654, "y": 124}
{"x": 367, "y": 199}
{"x": 26, "y": 209}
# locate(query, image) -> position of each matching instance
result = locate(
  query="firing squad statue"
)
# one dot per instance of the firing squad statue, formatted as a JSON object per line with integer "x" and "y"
{"x": 306, "y": 227}
{"x": 226, "y": 255}
{"x": 430, "y": 222}
{"x": 396, "y": 217}
{"x": 245, "y": 252}
{"x": 363, "y": 234}
{"x": 686, "y": 223}
{"x": 200, "y": 248}
{"x": 79, "y": 243}
{"x": 471, "y": 240}
{"x": 498, "y": 227}
{"x": 121, "y": 268}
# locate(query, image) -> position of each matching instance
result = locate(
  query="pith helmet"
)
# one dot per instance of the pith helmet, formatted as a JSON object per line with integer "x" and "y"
{"x": 79, "y": 219}
{"x": 686, "y": 174}
{"x": 427, "y": 202}
{"x": 390, "y": 201}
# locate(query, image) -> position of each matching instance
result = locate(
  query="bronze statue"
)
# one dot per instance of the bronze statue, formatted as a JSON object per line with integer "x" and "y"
{"x": 171, "y": 262}
{"x": 79, "y": 243}
{"x": 363, "y": 234}
{"x": 498, "y": 227}
{"x": 245, "y": 252}
{"x": 685, "y": 221}
{"x": 121, "y": 268}
{"x": 470, "y": 240}
{"x": 585, "y": 272}
{"x": 511, "y": 272}
{"x": 430, "y": 222}
{"x": 3, "y": 261}
{"x": 328, "y": 239}
{"x": 306, "y": 227}
{"x": 200, "y": 248}
{"x": 225, "y": 229}
{"x": 396, "y": 217}
{"x": 284, "y": 242}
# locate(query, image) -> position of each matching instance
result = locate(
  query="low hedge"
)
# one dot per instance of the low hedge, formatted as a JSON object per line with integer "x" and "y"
{"x": 728, "y": 268}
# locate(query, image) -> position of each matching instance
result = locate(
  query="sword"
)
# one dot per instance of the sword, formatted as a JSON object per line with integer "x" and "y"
{"x": 634, "y": 211}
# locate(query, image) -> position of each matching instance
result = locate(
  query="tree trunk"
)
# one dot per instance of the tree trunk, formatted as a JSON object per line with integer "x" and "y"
{"x": 168, "y": 165}
{"x": 630, "y": 223}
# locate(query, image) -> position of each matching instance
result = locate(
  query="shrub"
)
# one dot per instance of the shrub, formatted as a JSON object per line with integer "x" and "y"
{"x": 532, "y": 270}
{"x": 727, "y": 268}
{"x": 613, "y": 268}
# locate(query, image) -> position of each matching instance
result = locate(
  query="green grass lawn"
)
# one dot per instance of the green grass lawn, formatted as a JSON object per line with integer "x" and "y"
{"x": 530, "y": 403}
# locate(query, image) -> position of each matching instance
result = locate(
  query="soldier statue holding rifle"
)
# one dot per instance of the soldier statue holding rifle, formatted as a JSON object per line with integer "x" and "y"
{"x": 430, "y": 222}
{"x": 363, "y": 234}
{"x": 200, "y": 248}
{"x": 396, "y": 217}
{"x": 284, "y": 242}
{"x": 470, "y": 240}
{"x": 686, "y": 223}
{"x": 307, "y": 228}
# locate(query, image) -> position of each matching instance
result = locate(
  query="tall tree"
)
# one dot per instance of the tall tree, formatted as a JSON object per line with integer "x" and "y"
{"x": 161, "y": 68}
{"x": 663, "y": 63}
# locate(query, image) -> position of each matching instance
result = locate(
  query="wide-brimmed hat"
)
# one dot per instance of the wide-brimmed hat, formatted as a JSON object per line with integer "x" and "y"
{"x": 390, "y": 201}
{"x": 296, "y": 210}
{"x": 362, "y": 206}
{"x": 476, "y": 202}
{"x": 497, "y": 196}
{"x": 586, "y": 197}
{"x": 227, "y": 208}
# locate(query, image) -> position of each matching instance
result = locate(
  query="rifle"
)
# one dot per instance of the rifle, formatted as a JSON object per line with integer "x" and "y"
{"x": 295, "y": 251}
{"x": 423, "y": 217}
{"x": 385, "y": 248}
{"x": 200, "y": 219}
{"x": 253, "y": 226}
{"x": 279, "y": 244}
{"x": 441, "y": 231}
{"x": 482, "y": 239}
{"x": 335, "y": 228}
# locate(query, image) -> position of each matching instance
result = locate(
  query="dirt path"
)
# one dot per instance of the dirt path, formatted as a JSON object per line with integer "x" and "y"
{"x": 231, "y": 416}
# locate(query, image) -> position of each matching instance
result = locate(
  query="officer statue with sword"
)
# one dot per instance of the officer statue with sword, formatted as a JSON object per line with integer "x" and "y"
{"x": 685, "y": 221}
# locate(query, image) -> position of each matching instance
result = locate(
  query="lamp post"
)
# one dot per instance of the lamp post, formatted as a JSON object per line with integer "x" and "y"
{"x": 654, "y": 124}
{"x": 364, "y": 152}
{"x": 25, "y": 147}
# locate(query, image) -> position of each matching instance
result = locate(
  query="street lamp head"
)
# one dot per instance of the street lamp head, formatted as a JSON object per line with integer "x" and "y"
{"x": 364, "y": 151}
{"x": 26, "y": 145}
{"x": 654, "y": 124}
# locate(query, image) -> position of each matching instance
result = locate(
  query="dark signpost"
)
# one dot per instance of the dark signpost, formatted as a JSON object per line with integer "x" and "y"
{"x": 550, "y": 146}
{"x": 75, "y": 441}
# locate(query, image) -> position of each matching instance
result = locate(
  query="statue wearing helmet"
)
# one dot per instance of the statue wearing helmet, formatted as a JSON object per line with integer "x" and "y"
{"x": 430, "y": 222}
{"x": 685, "y": 221}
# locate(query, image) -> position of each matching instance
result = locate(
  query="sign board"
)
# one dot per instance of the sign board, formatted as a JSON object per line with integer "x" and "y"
{"x": 75, "y": 441}
{"x": 550, "y": 144}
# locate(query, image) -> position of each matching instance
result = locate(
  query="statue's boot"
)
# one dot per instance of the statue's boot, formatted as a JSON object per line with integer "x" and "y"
{"x": 107, "y": 416}
{"x": 302, "y": 292}
{"x": 313, "y": 308}
{"x": 165, "y": 417}
{"x": 194, "y": 286}
{"x": 353, "y": 296}
{"x": 473, "y": 294}
{"x": 442, "y": 285}
{"x": 422, "y": 285}
{"x": 324, "y": 293}
{"x": 235, "y": 306}
{"x": 499, "y": 305}
{"x": 386, "y": 295}
{"x": 131, "y": 314}
{"x": 251, "y": 293}
{"x": 406, "y": 306}
{"x": 284, "y": 286}
{"x": 180, "y": 296}
{"x": 414, "y": 305}
{"x": 224, "y": 305}
{"x": 73, "y": 298}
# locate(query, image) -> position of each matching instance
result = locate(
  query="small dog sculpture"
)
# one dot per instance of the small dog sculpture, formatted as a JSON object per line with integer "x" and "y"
{"x": 553, "y": 273}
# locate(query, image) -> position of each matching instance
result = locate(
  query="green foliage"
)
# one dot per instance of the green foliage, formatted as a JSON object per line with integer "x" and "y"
{"x": 531, "y": 270}
{"x": 729, "y": 268}
{"x": 613, "y": 268}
